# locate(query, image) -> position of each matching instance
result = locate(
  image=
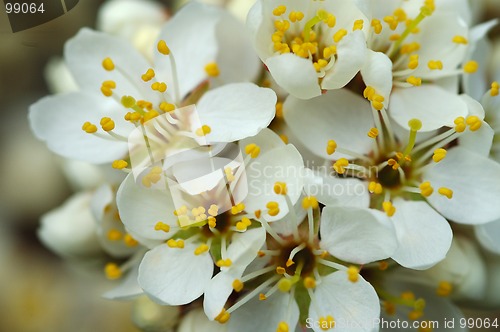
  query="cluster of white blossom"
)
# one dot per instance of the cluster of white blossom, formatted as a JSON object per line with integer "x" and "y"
{"x": 305, "y": 170}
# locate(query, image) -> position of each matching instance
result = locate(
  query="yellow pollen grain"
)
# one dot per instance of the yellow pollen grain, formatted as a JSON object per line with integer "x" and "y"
{"x": 494, "y": 89}
{"x": 253, "y": 150}
{"x": 280, "y": 188}
{"x": 459, "y": 40}
{"x": 388, "y": 208}
{"x": 130, "y": 241}
{"x": 426, "y": 189}
{"x": 224, "y": 262}
{"x": 223, "y": 317}
{"x": 273, "y": 208}
{"x": 394, "y": 37}
{"x": 392, "y": 22}
{"x": 163, "y": 48}
{"x": 329, "y": 51}
{"x": 392, "y": 162}
{"x": 89, "y": 128}
{"x": 212, "y": 222}
{"x": 383, "y": 265}
{"x": 296, "y": 16}
{"x": 150, "y": 73}
{"x": 373, "y": 133}
{"x": 415, "y": 81}
{"x": 353, "y": 273}
{"x": 159, "y": 86}
{"x": 400, "y": 14}
{"x": 447, "y": 192}
{"x": 289, "y": 262}
{"x": 212, "y": 69}
{"x": 375, "y": 188}
{"x": 279, "y": 109}
{"x": 280, "y": 10}
{"x": 280, "y": 270}
{"x": 471, "y": 67}
{"x": 106, "y": 91}
{"x": 413, "y": 61}
{"x": 119, "y": 164}
{"x": 369, "y": 92}
{"x": 107, "y": 124}
{"x": 166, "y": 107}
{"x": 108, "y": 64}
{"x": 284, "y": 285}
{"x": 460, "y": 124}
{"x": 237, "y": 285}
{"x": 439, "y": 154}
{"x": 149, "y": 115}
{"x": 282, "y": 327}
{"x": 358, "y": 25}
{"x": 435, "y": 65}
{"x": 415, "y": 314}
{"x": 282, "y": 25}
{"x": 331, "y": 146}
{"x": 160, "y": 226}
{"x": 114, "y": 235}
{"x": 203, "y": 130}
{"x": 112, "y": 271}
{"x": 262, "y": 297}
{"x": 409, "y": 48}
{"x": 128, "y": 101}
{"x": 284, "y": 138}
{"x": 444, "y": 288}
{"x": 309, "y": 282}
{"x": 337, "y": 37}
{"x": 326, "y": 323}
{"x": 376, "y": 25}
{"x": 340, "y": 165}
{"x": 309, "y": 202}
{"x": 474, "y": 122}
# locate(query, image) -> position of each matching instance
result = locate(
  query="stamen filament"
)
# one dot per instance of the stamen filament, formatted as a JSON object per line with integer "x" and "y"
{"x": 253, "y": 293}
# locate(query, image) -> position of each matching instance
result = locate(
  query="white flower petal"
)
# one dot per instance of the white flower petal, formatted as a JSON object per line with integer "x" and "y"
{"x": 294, "y": 74}
{"x": 218, "y": 291}
{"x": 279, "y": 165}
{"x": 85, "y": 52}
{"x": 236, "y": 111}
{"x": 424, "y": 235}
{"x": 244, "y": 247}
{"x": 377, "y": 73}
{"x": 196, "y": 321}
{"x": 141, "y": 208}
{"x": 352, "y": 303}
{"x": 340, "y": 115}
{"x": 432, "y": 105}
{"x": 475, "y": 183}
{"x": 351, "y": 56}
{"x": 488, "y": 235}
{"x": 266, "y": 139}
{"x": 279, "y": 307}
{"x": 62, "y": 116}
{"x": 357, "y": 235}
{"x": 174, "y": 276}
{"x": 129, "y": 288}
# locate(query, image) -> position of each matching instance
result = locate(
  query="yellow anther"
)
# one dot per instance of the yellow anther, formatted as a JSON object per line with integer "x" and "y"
{"x": 149, "y": 115}
{"x": 212, "y": 69}
{"x": 109, "y": 84}
{"x": 353, "y": 273}
{"x": 273, "y": 208}
{"x": 376, "y": 25}
{"x": 280, "y": 188}
{"x": 296, "y": 16}
{"x": 446, "y": 192}
{"x": 238, "y": 208}
{"x": 238, "y": 285}
{"x": 444, "y": 288}
{"x": 150, "y": 73}
{"x": 114, "y": 235}
{"x": 280, "y": 10}
{"x": 392, "y": 22}
{"x": 413, "y": 61}
{"x": 471, "y": 67}
{"x": 390, "y": 308}
{"x": 309, "y": 282}
{"x": 326, "y": 323}
{"x": 128, "y": 101}
{"x": 289, "y": 262}
{"x": 172, "y": 243}
{"x": 460, "y": 124}
{"x": 163, "y": 48}
{"x": 89, "y": 128}
{"x": 223, "y": 317}
{"x": 282, "y": 25}
{"x": 428, "y": 7}
{"x": 181, "y": 211}
{"x": 224, "y": 262}
{"x": 494, "y": 89}
{"x": 260, "y": 253}
{"x": 180, "y": 244}
{"x": 415, "y": 124}
{"x": 369, "y": 92}
{"x": 213, "y": 210}
{"x": 159, "y": 86}
{"x": 330, "y": 20}
{"x": 284, "y": 285}
{"x": 257, "y": 213}
{"x": 383, "y": 265}
{"x": 279, "y": 109}
{"x": 106, "y": 91}
{"x": 409, "y": 48}
{"x": 331, "y": 146}
{"x": 204, "y": 130}
{"x": 426, "y": 189}
{"x": 167, "y": 107}
{"x": 284, "y": 138}
{"x": 407, "y": 296}
{"x": 160, "y": 226}
{"x": 108, "y": 64}
{"x": 145, "y": 104}
{"x": 393, "y": 163}
{"x": 415, "y": 314}
{"x": 202, "y": 248}
{"x": 241, "y": 226}
{"x": 415, "y": 81}
{"x": 388, "y": 208}
{"x": 107, "y": 124}
{"x": 246, "y": 221}
{"x": 435, "y": 65}
{"x": 358, "y": 25}
{"x": 112, "y": 271}
{"x": 439, "y": 154}
{"x": 324, "y": 254}
{"x": 310, "y": 202}
{"x": 340, "y": 165}
{"x": 373, "y": 133}
{"x": 341, "y": 33}
{"x": 212, "y": 222}
{"x": 459, "y": 40}
{"x": 400, "y": 14}
{"x": 262, "y": 297}
{"x": 394, "y": 37}
{"x": 419, "y": 304}
{"x": 130, "y": 241}
{"x": 474, "y": 122}
{"x": 119, "y": 164}
{"x": 280, "y": 270}
{"x": 329, "y": 51}
{"x": 282, "y": 327}
{"x": 375, "y": 188}
{"x": 253, "y": 150}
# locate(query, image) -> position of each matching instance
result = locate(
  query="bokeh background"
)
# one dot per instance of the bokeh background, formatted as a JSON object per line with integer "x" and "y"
{"x": 38, "y": 290}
